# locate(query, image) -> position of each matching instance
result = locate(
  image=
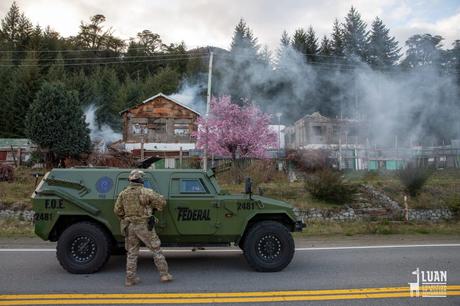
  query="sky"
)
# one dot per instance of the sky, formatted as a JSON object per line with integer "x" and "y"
{"x": 206, "y": 22}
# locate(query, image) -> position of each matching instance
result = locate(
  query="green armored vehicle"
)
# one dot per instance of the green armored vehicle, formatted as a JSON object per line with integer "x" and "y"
{"x": 75, "y": 208}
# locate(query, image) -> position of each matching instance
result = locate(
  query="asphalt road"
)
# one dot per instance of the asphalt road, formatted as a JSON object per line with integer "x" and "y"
{"x": 31, "y": 267}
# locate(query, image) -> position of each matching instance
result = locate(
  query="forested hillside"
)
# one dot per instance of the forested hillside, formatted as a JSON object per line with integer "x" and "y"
{"x": 357, "y": 71}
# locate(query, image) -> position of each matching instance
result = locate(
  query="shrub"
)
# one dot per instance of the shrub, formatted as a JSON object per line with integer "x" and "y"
{"x": 329, "y": 185}
{"x": 260, "y": 171}
{"x": 414, "y": 177}
{"x": 309, "y": 160}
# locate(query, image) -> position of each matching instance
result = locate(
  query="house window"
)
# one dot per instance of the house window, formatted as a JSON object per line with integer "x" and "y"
{"x": 317, "y": 130}
{"x": 139, "y": 129}
{"x": 181, "y": 129}
{"x": 170, "y": 163}
{"x": 353, "y": 131}
{"x": 335, "y": 131}
{"x": 159, "y": 125}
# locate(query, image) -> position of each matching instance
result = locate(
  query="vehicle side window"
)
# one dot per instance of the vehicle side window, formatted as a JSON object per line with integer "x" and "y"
{"x": 123, "y": 183}
{"x": 192, "y": 186}
{"x": 149, "y": 184}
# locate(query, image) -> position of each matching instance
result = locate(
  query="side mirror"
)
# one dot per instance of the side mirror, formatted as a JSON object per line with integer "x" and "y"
{"x": 248, "y": 186}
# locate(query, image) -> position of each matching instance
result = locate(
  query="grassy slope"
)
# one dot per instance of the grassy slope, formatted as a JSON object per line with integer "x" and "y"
{"x": 441, "y": 190}
{"x": 17, "y": 194}
{"x": 380, "y": 228}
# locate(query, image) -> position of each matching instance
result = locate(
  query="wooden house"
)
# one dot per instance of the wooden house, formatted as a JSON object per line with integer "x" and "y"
{"x": 163, "y": 126}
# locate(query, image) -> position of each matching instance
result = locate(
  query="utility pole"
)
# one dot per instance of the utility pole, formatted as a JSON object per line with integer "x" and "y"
{"x": 142, "y": 142}
{"x": 279, "y": 131}
{"x": 208, "y": 102}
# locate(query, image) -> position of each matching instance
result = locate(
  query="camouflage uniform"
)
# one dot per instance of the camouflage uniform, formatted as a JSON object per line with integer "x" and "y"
{"x": 134, "y": 206}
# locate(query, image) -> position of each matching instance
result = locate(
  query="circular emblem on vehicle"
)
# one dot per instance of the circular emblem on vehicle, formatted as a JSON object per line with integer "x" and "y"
{"x": 104, "y": 184}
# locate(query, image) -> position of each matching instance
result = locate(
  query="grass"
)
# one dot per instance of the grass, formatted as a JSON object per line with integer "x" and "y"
{"x": 17, "y": 193}
{"x": 379, "y": 228}
{"x": 293, "y": 193}
{"x": 13, "y": 227}
{"x": 441, "y": 190}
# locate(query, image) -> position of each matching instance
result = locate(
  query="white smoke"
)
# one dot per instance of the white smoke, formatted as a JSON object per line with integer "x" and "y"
{"x": 98, "y": 133}
{"x": 418, "y": 107}
{"x": 190, "y": 95}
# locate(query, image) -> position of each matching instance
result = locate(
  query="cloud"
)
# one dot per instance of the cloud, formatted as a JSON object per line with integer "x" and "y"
{"x": 448, "y": 27}
{"x": 206, "y": 22}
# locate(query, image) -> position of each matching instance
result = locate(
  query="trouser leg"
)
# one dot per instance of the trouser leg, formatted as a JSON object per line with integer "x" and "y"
{"x": 132, "y": 247}
{"x": 153, "y": 243}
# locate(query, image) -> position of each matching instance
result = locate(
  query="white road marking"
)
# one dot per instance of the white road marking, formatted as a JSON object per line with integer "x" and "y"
{"x": 238, "y": 250}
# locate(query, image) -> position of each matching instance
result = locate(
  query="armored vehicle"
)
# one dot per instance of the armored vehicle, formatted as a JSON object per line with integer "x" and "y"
{"x": 75, "y": 208}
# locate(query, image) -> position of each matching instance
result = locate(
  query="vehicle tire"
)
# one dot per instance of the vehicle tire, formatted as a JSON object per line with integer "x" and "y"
{"x": 83, "y": 248}
{"x": 268, "y": 246}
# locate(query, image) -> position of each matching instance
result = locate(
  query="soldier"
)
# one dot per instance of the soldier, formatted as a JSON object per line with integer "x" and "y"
{"x": 134, "y": 206}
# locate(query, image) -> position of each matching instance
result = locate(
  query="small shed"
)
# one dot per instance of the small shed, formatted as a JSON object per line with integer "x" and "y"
{"x": 15, "y": 150}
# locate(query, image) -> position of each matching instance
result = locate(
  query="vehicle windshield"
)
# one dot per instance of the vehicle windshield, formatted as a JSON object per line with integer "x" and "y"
{"x": 215, "y": 184}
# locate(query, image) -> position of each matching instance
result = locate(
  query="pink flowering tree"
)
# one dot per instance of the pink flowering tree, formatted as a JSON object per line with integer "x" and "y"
{"x": 235, "y": 131}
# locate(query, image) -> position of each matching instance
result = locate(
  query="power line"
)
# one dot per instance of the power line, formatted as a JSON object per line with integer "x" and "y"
{"x": 143, "y": 49}
{"x": 108, "y": 63}
{"x": 200, "y": 55}
{"x": 114, "y": 57}
{"x": 77, "y": 50}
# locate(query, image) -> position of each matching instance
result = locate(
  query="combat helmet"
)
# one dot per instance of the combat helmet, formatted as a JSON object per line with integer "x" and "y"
{"x": 136, "y": 175}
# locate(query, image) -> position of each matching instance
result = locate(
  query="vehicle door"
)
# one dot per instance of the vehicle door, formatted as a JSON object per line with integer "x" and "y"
{"x": 192, "y": 204}
{"x": 149, "y": 182}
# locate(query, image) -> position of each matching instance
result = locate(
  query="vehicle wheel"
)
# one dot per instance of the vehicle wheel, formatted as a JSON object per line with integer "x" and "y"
{"x": 268, "y": 246}
{"x": 83, "y": 248}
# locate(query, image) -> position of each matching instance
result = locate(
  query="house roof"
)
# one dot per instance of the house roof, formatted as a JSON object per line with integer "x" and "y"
{"x": 15, "y": 142}
{"x": 164, "y": 96}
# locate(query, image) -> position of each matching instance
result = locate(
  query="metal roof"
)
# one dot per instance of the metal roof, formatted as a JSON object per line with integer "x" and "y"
{"x": 164, "y": 96}
{"x": 15, "y": 142}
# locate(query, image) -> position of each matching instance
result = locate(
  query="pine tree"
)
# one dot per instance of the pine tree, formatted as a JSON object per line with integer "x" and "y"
{"x": 299, "y": 41}
{"x": 108, "y": 108}
{"x": 243, "y": 41}
{"x": 337, "y": 39}
{"x": 25, "y": 82}
{"x": 326, "y": 50}
{"x": 167, "y": 81}
{"x": 383, "y": 48}
{"x": 134, "y": 92}
{"x": 56, "y": 122}
{"x": 5, "y": 83}
{"x": 84, "y": 85}
{"x": 285, "y": 40}
{"x": 235, "y": 72}
{"x": 283, "y": 50}
{"x": 16, "y": 29}
{"x": 266, "y": 55}
{"x": 355, "y": 36}
{"x": 57, "y": 72}
{"x": 311, "y": 45}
